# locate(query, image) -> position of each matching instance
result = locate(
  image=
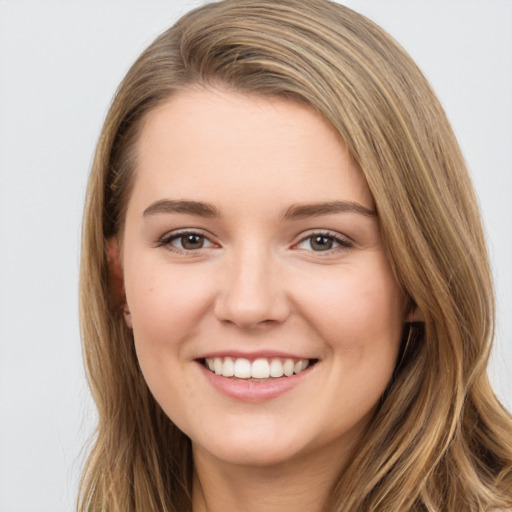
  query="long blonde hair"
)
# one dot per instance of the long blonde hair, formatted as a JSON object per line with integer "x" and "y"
{"x": 439, "y": 439}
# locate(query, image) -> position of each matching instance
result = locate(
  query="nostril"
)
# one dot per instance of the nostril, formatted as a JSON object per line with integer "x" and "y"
{"x": 250, "y": 324}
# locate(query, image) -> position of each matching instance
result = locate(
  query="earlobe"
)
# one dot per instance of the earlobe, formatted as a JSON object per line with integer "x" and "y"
{"x": 127, "y": 317}
{"x": 116, "y": 279}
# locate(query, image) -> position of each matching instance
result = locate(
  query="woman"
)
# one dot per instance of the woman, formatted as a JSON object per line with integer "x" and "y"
{"x": 285, "y": 296}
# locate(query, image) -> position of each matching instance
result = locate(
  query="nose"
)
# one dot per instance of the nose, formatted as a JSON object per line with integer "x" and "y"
{"x": 253, "y": 292}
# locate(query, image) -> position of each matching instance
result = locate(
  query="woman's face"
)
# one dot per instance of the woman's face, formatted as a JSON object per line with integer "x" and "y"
{"x": 251, "y": 247}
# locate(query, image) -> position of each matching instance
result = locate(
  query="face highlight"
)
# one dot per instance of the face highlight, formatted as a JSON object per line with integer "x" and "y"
{"x": 265, "y": 314}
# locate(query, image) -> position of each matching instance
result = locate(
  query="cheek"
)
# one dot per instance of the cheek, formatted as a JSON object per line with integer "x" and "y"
{"x": 356, "y": 310}
{"x": 359, "y": 318}
{"x": 356, "y": 302}
{"x": 165, "y": 306}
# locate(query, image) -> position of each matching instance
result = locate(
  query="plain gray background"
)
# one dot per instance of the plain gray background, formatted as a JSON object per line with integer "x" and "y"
{"x": 60, "y": 62}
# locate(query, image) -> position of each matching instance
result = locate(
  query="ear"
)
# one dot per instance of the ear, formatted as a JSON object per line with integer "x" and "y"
{"x": 415, "y": 314}
{"x": 116, "y": 279}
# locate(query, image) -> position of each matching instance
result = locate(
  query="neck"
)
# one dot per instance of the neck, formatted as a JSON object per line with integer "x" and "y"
{"x": 301, "y": 485}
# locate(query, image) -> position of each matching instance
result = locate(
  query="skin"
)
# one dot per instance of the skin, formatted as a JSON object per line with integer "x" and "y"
{"x": 258, "y": 285}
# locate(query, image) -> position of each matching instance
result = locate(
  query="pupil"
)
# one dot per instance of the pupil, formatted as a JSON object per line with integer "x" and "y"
{"x": 192, "y": 241}
{"x": 321, "y": 243}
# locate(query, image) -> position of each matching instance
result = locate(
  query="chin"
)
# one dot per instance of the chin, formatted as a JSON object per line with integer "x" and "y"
{"x": 251, "y": 448}
{"x": 250, "y": 456}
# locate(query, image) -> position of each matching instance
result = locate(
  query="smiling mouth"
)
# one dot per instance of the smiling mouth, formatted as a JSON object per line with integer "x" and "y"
{"x": 257, "y": 370}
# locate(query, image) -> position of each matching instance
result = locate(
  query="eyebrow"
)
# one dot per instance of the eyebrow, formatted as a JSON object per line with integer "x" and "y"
{"x": 296, "y": 211}
{"x": 300, "y": 211}
{"x": 174, "y": 206}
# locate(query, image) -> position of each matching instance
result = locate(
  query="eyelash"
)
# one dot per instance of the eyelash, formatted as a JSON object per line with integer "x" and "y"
{"x": 166, "y": 240}
{"x": 343, "y": 244}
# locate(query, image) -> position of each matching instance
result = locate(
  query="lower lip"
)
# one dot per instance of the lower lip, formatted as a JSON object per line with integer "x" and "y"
{"x": 254, "y": 391}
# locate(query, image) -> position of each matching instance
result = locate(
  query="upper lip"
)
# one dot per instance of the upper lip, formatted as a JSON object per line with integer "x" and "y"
{"x": 257, "y": 354}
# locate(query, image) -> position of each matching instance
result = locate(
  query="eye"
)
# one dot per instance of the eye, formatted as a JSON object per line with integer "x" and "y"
{"x": 322, "y": 242}
{"x": 186, "y": 241}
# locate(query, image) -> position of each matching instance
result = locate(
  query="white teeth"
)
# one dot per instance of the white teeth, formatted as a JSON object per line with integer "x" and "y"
{"x": 228, "y": 368}
{"x": 217, "y": 365}
{"x": 288, "y": 367}
{"x": 300, "y": 365}
{"x": 243, "y": 368}
{"x": 261, "y": 368}
{"x": 276, "y": 368}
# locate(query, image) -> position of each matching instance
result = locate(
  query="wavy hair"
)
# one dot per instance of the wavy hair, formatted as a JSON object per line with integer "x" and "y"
{"x": 439, "y": 439}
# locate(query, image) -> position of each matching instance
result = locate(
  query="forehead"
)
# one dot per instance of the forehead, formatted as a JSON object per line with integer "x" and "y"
{"x": 215, "y": 143}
